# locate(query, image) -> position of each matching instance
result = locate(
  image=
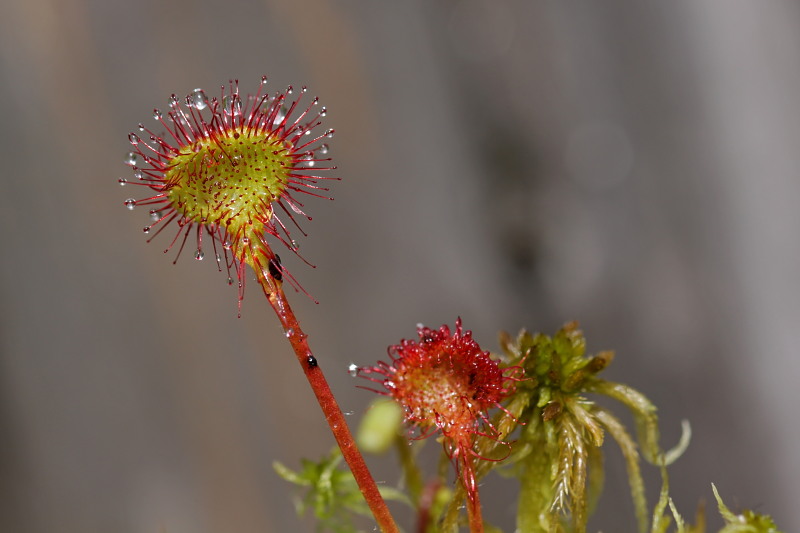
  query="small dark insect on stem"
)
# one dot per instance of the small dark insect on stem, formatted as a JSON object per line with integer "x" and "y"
{"x": 275, "y": 269}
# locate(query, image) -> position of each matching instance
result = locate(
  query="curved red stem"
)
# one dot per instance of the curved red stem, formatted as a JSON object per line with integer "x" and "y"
{"x": 333, "y": 414}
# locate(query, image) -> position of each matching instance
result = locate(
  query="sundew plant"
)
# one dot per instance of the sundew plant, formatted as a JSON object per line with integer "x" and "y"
{"x": 226, "y": 177}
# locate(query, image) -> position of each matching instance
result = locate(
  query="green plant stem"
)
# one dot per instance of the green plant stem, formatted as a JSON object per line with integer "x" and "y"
{"x": 333, "y": 414}
{"x": 411, "y": 471}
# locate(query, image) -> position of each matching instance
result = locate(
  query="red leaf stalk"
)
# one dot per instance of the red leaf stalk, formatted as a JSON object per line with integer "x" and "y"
{"x": 333, "y": 414}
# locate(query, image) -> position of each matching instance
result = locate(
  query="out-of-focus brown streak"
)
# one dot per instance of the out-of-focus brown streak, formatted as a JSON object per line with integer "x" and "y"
{"x": 55, "y": 40}
{"x": 329, "y": 45}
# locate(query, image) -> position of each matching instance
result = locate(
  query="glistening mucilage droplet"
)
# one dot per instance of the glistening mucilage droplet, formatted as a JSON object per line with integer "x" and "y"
{"x": 131, "y": 159}
{"x": 198, "y": 99}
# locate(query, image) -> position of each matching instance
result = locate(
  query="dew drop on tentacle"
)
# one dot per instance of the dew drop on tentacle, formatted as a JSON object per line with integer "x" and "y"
{"x": 130, "y": 203}
{"x": 131, "y": 159}
{"x": 122, "y": 182}
{"x": 280, "y": 116}
{"x": 311, "y": 361}
{"x": 232, "y": 105}
{"x": 199, "y": 254}
{"x": 146, "y": 229}
{"x": 133, "y": 138}
{"x": 323, "y": 149}
{"x": 295, "y": 208}
{"x": 157, "y": 114}
{"x": 353, "y": 370}
{"x": 198, "y": 99}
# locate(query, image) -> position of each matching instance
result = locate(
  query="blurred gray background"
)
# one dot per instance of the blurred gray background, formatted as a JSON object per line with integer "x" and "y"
{"x": 632, "y": 165}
